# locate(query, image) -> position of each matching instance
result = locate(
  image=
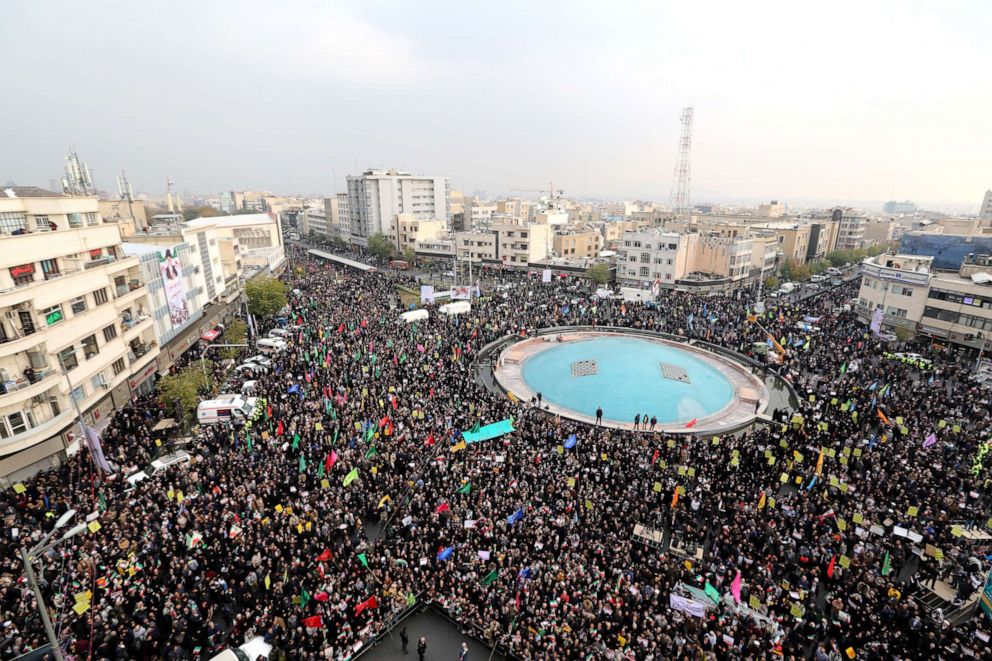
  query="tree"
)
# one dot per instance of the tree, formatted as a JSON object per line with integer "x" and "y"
{"x": 771, "y": 282}
{"x": 186, "y": 386}
{"x": 903, "y": 334}
{"x": 189, "y": 213}
{"x": 266, "y": 296}
{"x": 818, "y": 266}
{"x": 338, "y": 242}
{"x": 800, "y": 273}
{"x": 380, "y": 246}
{"x": 599, "y": 273}
{"x": 235, "y": 333}
{"x": 409, "y": 256}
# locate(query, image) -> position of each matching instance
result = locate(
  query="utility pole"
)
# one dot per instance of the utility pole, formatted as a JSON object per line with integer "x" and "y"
{"x": 42, "y": 609}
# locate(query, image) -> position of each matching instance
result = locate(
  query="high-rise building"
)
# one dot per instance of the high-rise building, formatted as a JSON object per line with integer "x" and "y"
{"x": 76, "y": 326}
{"x": 851, "y": 229}
{"x": 376, "y": 196}
{"x": 898, "y": 207}
{"x": 985, "y": 213}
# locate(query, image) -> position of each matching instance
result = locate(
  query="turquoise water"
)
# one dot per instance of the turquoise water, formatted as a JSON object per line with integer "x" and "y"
{"x": 629, "y": 381}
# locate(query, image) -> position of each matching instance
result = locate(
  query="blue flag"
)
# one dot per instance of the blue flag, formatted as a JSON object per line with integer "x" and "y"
{"x": 570, "y": 443}
{"x": 516, "y": 516}
{"x": 811, "y": 484}
{"x": 525, "y": 573}
{"x": 293, "y": 388}
{"x": 444, "y": 554}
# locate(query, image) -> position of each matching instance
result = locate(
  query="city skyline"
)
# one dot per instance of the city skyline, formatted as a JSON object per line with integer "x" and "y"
{"x": 790, "y": 103}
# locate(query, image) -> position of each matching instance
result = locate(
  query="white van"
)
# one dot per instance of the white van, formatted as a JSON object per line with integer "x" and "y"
{"x": 250, "y": 651}
{"x": 834, "y": 271}
{"x": 787, "y": 287}
{"x": 279, "y": 333}
{"x": 271, "y": 345}
{"x": 235, "y": 409}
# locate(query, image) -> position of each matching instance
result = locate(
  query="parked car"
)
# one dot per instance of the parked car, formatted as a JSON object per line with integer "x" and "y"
{"x": 272, "y": 345}
{"x": 280, "y": 333}
{"x": 260, "y": 360}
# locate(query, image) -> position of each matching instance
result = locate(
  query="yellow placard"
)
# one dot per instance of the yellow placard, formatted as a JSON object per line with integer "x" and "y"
{"x": 81, "y": 607}
{"x": 913, "y": 510}
{"x": 754, "y": 602}
{"x": 325, "y": 483}
{"x": 657, "y": 487}
{"x": 179, "y": 496}
{"x": 858, "y": 517}
{"x": 845, "y": 561}
{"x": 319, "y": 426}
{"x": 279, "y": 508}
{"x": 19, "y": 488}
{"x": 571, "y": 482}
{"x": 158, "y": 442}
{"x": 93, "y": 526}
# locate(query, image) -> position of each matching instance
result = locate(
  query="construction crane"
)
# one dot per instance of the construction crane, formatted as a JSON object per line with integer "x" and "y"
{"x": 549, "y": 191}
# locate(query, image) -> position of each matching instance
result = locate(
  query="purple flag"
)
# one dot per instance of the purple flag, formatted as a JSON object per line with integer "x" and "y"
{"x": 96, "y": 450}
{"x": 930, "y": 440}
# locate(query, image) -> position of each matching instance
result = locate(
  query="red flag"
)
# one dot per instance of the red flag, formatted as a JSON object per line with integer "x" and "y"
{"x": 322, "y": 596}
{"x": 364, "y": 323}
{"x": 279, "y": 429}
{"x": 324, "y": 556}
{"x": 313, "y": 622}
{"x": 518, "y": 601}
{"x": 654, "y": 457}
{"x": 475, "y": 333}
{"x": 341, "y": 328}
{"x": 443, "y": 507}
{"x": 692, "y": 423}
{"x": 830, "y": 567}
{"x": 332, "y": 459}
{"x": 368, "y": 603}
{"x": 430, "y": 440}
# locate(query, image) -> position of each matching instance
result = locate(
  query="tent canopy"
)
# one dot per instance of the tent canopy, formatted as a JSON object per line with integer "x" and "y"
{"x": 457, "y": 307}
{"x": 414, "y": 315}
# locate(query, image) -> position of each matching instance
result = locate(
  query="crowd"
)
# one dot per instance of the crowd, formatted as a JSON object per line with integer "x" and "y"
{"x": 350, "y": 497}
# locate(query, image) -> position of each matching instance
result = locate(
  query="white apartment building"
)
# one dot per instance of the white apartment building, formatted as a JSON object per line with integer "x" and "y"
{"x": 411, "y": 230}
{"x": 75, "y": 325}
{"x": 953, "y": 307}
{"x": 851, "y": 230}
{"x": 316, "y": 220}
{"x": 259, "y": 238}
{"x": 649, "y": 255}
{"x": 476, "y": 246}
{"x": 478, "y": 216}
{"x": 520, "y": 245}
{"x": 376, "y": 197}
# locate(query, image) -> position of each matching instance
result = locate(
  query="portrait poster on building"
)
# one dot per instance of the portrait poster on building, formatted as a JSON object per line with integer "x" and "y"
{"x": 175, "y": 289}
{"x": 876, "y": 320}
{"x": 426, "y": 294}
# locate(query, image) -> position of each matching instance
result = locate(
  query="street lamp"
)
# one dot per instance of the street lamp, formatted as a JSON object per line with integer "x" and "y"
{"x": 28, "y": 557}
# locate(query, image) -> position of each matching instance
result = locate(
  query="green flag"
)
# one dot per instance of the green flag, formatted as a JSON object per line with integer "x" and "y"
{"x": 491, "y": 577}
{"x": 371, "y": 453}
{"x": 362, "y": 559}
{"x": 351, "y": 477}
{"x": 320, "y": 471}
{"x": 304, "y": 597}
{"x": 475, "y": 428}
{"x": 410, "y": 599}
{"x": 886, "y": 564}
{"x": 303, "y": 464}
{"x": 296, "y": 441}
{"x": 467, "y": 488}
{"x": 251, "y": 447}
{"x": 712, "y": 592}
{"x": 843, "y": 368}
{"x": 370, "y": 433}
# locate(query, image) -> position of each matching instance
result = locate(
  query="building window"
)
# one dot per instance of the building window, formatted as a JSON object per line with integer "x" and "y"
{"x": 13, "y": 222}
{"x": 78, "y": 394}
{"x": 91, "y": 218}
{"x": 16, "y": 423}
{"x": 75, "y": 220}
{"x": 67, "y": 358}
{"x": 50, "y": 267}
{"x": 100, "y": 296}
{"x": 644, "y": 271}
{"x": 53, "y": 315}
{"x": 90, "y": 347}
{"x": 42, "y": 224}
{"x": 78, "y": 305}
{"x": 645, "y": 258}
{"x": 97, "y": 380}
{"x": 118, "y": 366}
{"x": 109, "y": 333}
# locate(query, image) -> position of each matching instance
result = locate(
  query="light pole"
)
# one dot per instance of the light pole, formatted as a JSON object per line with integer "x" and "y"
{"x": 29, "y": 556}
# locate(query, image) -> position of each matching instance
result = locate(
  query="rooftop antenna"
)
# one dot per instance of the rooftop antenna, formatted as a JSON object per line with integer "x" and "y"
{"x": 78, "y": 178}
{"x": 126, "y": 192}
{"x": 169, "y": 185}
{"x": 680, "y": 182}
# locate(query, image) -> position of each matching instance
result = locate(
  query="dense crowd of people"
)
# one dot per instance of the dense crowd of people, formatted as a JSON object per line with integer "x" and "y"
{"x": 351, "y": 497}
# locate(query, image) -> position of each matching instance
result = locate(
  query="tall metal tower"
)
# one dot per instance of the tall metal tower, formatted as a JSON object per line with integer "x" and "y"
{"x": 680, "y": 182}
{"x": 78, "y": 179}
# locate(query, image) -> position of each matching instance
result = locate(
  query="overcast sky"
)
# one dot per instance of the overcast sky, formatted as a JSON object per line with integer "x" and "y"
{"x": 838, "y": 102}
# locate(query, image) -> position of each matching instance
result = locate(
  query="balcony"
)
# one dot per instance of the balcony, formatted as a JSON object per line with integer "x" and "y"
{"x": 45, "y": 429}
{"x": 22, "y": 388}
{"x": 135, "y": 324}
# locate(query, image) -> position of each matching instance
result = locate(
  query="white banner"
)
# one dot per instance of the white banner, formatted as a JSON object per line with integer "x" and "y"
{"x": 461, "y": 293}
{"x": 876, "y": 320}
{"x": 426, "y": 294}
{"x": 687, "y": 605}
{"x": 175, "y": 289}
{"x": 546, "y": 275}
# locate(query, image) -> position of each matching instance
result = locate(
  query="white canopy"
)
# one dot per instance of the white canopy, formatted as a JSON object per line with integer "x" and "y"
{"x": 457, "y": 307}
{"x": 414, "y": 315}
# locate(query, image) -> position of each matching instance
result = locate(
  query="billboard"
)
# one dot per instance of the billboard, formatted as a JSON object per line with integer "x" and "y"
{"x": 461, "y": 293}
{"x": 986, "y": 603}
{"x": 876, "y": 320}
{"x": 426, "y": 294}
{"x": 175, "y": 288}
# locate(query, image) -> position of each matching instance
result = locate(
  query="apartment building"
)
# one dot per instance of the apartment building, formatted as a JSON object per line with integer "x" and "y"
{"x": 648, "y": 255}
{"x": 822, "y": 239}
{"x": 130, "y": 215}
{"x": 851, "y": 229}
{"x": 316, "y": 221}
{"x": 985, "y": 211}
{"x": 477, "y": 246}
{"x": 376, "y": 197}
{"x": 520, "y": 245}
{"x": 578, "y": 243}
{"x": 955, "y": 307}
{"x": 259, "y": 238}
{"x": 75, "y": 325}
{"x": 478, "y": 216}
{"x": 773, "y": 209}
{"x": 411, "y": 230}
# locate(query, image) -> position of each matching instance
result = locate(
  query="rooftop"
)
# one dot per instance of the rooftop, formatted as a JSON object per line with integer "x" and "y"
{"x": 232, "y": 221}
{"x": 29, "y": 191}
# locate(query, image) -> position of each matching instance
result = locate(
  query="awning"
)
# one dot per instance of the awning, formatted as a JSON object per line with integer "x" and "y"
{"x": 210, "y": 335}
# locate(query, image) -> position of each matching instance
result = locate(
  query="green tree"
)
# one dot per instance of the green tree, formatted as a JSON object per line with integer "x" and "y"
{"x": 380, "y": 246}
{"x": 818, "y": 266}
{"x": 903, "y": 334}
{"x": 599, "y": 273}
{"x": 187, "y": 386}
{"x": 787, "y": 270}
{"x": 409, "y": 255}
{"x": 266, "y": 296}
{"x": 338, "y": 242}
{"x": 235, "y": 333}
{"x": 800, "y": 272}
{"x": 189, "y": 213}
{"x": 771, "y": 282}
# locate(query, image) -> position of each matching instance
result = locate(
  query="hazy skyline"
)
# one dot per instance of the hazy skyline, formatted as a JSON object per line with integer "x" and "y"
{"x": 853, "y": 101}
